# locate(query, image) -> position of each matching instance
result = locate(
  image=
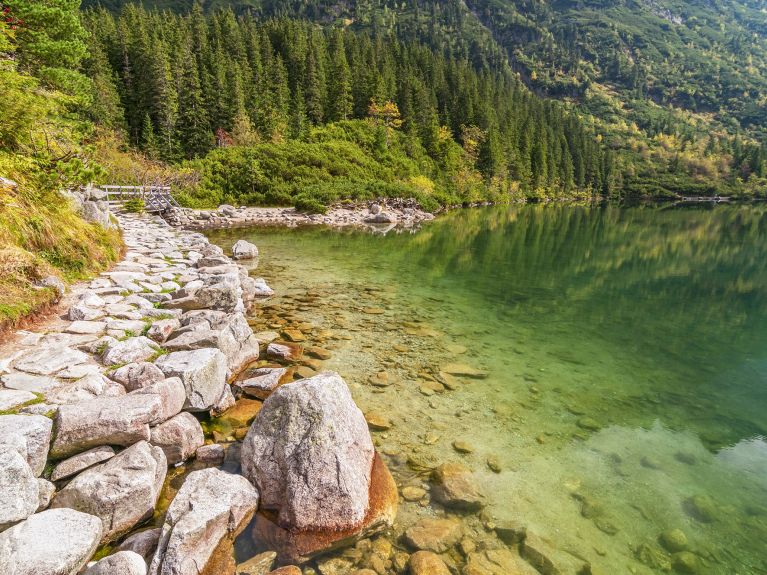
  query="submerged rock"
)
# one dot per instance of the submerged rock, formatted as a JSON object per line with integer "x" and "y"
{"x": 209, "y": 510}
{"x": 122, "y": 492}
{"x": 455, "y": 487}
{"x": 56, "y": 542}
{"x": 427, "y": 563}
{"x": 434, "y": 534}
{"x": 502, "y": 562}
{"x": 547, "y": 558}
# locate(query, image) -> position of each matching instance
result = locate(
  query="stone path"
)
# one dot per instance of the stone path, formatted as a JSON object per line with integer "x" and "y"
{"x": 140, "y": 347}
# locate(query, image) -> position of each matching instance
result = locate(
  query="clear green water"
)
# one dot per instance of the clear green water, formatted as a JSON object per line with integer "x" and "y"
{"x": 627, "y": 353}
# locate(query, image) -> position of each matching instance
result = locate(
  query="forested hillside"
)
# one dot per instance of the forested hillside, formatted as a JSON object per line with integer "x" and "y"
{"x": 676, "y": 88}
{"x": 427, "y": 124}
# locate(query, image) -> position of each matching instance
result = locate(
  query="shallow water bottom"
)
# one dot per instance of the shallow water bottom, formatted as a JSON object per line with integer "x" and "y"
{"x": 604, "y": 430}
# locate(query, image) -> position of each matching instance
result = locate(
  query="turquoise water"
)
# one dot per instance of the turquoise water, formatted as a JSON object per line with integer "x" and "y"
{"x": 627, "y": 357}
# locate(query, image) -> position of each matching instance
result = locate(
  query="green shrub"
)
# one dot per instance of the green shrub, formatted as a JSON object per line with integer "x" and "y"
{"x": 310, "y": 205}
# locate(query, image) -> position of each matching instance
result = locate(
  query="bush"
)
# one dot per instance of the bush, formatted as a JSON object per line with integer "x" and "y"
{"x": 310, "y": 205}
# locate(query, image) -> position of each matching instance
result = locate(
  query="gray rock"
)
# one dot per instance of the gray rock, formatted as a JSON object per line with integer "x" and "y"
{"x": 122, "y": 492}
{"x": 82, "y": 312}
{"x": 120, "y": 563}
{"x": 54, "y": 542}
{"x": 210, "y": 454}
{"x": 45, "y": 492}
{"x": 47, "y": 361}
{"x": 30, "y": 436}
{"x": 172, "y": 394}
{"x": 211, "y": 507}
{"x": 92, "y": 386}
{"x": 179, "y": 437}
{"x": 226, "y": 401}
{"x": 28, "y": 382}
{"x": 382, "y": 218}
{"x": 310, "y": 454}
{"x": 233, "y": 337}
{"x": 160, "y": 330}
{"x": 263, "y": 382}
{"x": 137, "y": 375}
{"x": 81, "y": 461}
{"x": 203, "y": 373}
{"x": 13, "y": 398}
{"x": 18, "y": 488}
{"x": 261, "y": 288}
{"x": 144, "y": 543}
{"x": 86, "y": 327}
{"x": 105, "y": 421}
{"x": 131, "y": 350}
{"x": 243, "y": 250}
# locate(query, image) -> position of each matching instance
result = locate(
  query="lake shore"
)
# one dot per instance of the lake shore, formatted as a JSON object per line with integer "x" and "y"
{"x": 377, "y": 214}
{"x": 96, "y": 406}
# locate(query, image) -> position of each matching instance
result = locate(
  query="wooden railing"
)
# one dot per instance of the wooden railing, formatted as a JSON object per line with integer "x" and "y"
{"x": 156, "y": 198}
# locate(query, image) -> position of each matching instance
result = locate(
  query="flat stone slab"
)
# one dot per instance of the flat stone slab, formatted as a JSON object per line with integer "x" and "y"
{"x": 28, "y": 382}
{"x": 11, "y": 398}
{"x": 81, "y": 461}
{"x": 47, "y": 361}
{"x": 86, "y": 327}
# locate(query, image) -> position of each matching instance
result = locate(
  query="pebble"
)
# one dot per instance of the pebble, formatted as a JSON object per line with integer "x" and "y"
{"x": 463, "y": 447}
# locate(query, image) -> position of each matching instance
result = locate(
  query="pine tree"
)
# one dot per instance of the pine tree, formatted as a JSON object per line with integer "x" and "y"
{"x": 193, "y": 127}
{"x": 340, "y": 89}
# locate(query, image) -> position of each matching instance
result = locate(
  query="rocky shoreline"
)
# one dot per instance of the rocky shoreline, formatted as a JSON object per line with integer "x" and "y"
{"x": 93, "y": 415}
{"x": 110, "y": 464}
{"x": 380, "y": 214}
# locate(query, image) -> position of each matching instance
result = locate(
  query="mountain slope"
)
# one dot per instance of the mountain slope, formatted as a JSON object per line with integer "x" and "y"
{"x": 679, "y": 89}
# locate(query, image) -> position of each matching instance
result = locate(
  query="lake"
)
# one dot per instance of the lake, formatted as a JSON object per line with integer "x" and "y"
{"x": 626, "y": 360}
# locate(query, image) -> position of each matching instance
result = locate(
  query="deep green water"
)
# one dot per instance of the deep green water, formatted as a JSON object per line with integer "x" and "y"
{"x": 627, "y": 352}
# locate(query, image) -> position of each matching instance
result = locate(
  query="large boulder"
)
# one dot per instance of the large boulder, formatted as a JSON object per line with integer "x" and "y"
{"x": 122, "y": 492}
{"x": 243, "y": 250}
{"x": 179, "y": 437}
{"x": 54, "y": 542}
{"x": 209, "y": 510}
{"x": 311, "y": 457}
{"x": 120, "y": 563}
{"x": 203, "y": 373}
{"x": 19, "y": 490}
{"x": 309, "y": 453}
{"x": 30, "y": 436}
